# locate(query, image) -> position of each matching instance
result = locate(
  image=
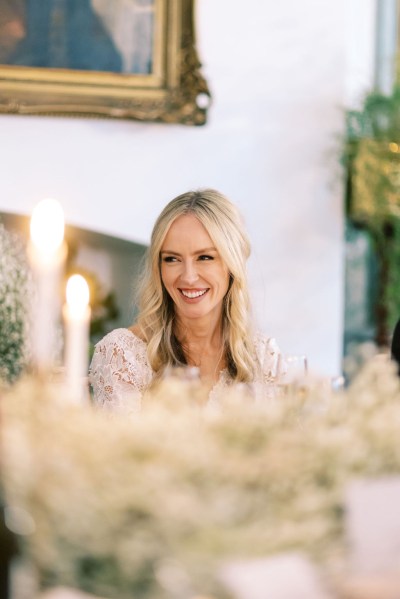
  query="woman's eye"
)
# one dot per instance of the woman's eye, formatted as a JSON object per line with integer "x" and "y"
{"x": 169, "y": 259}
{"x": 205, "y": 257}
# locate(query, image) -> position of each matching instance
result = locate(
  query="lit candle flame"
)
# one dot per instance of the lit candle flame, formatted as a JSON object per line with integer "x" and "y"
{"x": 47, "y": 226}
{"x": 77, "y": 296}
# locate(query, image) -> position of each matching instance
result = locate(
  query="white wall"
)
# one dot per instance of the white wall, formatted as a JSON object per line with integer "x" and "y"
{"x": 280, "y": 73}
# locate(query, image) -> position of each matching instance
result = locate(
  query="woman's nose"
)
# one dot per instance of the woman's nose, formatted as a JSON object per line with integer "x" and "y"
{"x": 189, "y": 273}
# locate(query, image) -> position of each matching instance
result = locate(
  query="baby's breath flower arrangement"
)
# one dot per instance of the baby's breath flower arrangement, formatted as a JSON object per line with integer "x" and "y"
{"x": 150, "y": 506}
{"x": 14, "y": 297}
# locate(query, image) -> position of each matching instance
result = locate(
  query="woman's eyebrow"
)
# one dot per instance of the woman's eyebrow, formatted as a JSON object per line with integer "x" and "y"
{"x": 204, "y": 251}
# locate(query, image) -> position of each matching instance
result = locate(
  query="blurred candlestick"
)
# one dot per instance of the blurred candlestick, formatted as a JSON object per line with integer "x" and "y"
{"x": 47, "y": 252}
{"x": 76, "y": 318}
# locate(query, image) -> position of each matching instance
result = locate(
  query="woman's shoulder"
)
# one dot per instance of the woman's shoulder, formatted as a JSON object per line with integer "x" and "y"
{"x": 119, "y": 367}
{"x": 123, "y": 338}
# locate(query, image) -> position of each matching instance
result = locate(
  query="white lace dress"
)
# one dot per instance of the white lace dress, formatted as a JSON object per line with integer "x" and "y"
{"x": 120, "y": 372}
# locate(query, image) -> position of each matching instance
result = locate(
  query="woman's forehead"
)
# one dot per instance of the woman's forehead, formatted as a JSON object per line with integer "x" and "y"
{"x": 187, "y": 230}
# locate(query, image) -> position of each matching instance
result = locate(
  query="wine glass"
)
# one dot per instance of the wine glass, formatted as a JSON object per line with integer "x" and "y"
{"x": 293, "y": 368}
{"x": 291, "y": 375}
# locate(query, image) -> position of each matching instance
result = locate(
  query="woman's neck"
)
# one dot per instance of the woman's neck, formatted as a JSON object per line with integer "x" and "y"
{"x": 203, "y": 346}
{"x": 201, "y": 333}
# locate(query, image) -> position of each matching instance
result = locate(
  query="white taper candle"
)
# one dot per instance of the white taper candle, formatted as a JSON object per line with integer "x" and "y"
{"x": 76, "y": 318}
{"x": 46, "y": 252}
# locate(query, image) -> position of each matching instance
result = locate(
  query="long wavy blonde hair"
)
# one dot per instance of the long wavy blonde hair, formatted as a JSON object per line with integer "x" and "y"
{"x": 156, "y": 316}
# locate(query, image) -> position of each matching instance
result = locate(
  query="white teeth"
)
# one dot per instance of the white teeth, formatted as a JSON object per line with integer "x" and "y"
{"x": 193, "y": 294}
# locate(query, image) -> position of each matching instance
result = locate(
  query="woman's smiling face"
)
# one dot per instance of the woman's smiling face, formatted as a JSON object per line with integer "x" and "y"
{"x": 193, "y": 272}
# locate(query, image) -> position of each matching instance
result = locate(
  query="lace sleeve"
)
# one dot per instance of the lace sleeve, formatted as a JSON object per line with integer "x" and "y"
{"x": 119, "y": 371}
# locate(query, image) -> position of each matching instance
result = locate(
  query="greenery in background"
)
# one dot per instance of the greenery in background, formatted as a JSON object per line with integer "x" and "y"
{"x": 15, "y": 294}
{"x": 104, "y": 309}
{"x": 103, "y": 304}
{"x": 392, "y": 290}
{"x": 378, "y": 118}
{"x": 360, "y": 290}
{"x": 372, "y": 153}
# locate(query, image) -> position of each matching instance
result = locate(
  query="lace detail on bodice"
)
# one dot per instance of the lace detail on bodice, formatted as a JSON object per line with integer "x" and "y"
{"x": 120, "y": 372}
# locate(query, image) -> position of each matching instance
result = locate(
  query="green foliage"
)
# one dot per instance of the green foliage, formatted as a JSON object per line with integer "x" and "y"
{"x": 378, "y": 118}
{"x": 104, "y": 310}
{"x": 391, "y": 297}
{"x": 371, "y": 157}
{"x": 14, "y": 298}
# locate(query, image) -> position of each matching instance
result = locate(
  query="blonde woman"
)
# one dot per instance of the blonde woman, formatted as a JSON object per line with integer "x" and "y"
{"x": 194, "y": 309}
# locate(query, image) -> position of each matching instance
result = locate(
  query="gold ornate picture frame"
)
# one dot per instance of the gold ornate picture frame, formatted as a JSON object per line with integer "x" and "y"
{"x": 129, "y": 59}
